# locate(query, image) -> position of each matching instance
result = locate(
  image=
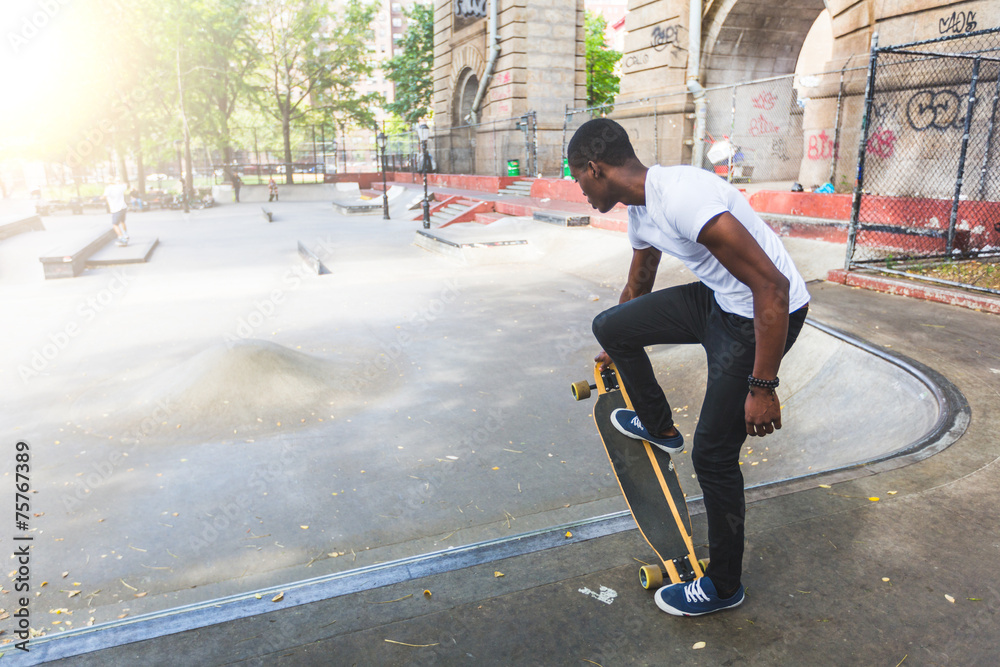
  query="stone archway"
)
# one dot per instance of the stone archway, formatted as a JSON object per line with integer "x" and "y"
{"x": 465, "y": 95}
{"x": 754, "y": 39}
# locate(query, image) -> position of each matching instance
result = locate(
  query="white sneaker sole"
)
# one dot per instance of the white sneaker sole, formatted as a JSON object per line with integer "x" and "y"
{"x": 677, "y": 612}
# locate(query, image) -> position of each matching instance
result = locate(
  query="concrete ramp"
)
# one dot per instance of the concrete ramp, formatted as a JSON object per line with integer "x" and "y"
{"x": 234, "y": 388}
{"x": 842, "y": 406}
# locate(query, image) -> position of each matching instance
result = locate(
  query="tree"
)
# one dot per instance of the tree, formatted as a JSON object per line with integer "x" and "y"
{"x": 411, "y": 71}
{"x": 602, "y": 81}
{"x": 312, "y": 56}
{"x": 229, "y": 55}
{"x": 348, "y": 63}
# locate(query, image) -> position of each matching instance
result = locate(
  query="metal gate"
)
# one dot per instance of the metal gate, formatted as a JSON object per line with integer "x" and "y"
{"x": 927, "y": 198}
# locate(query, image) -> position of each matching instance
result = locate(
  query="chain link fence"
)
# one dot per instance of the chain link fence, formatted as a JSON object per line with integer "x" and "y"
{"x": 753, "y": 129}
{"x": 504, "y": 147}
{"x": 258, "y": 154}
{"x": 649, "y": 122}
{"x": 927, "y": 200}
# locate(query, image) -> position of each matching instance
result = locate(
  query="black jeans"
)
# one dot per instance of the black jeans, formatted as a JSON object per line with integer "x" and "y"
{"x": 690, "y": 314}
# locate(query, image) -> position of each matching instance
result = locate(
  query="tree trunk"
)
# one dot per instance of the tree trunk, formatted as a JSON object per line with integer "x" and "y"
{"x": 140, "y": 166}
{"x": 227, "y": 163}
{"x": 286, "y": 132}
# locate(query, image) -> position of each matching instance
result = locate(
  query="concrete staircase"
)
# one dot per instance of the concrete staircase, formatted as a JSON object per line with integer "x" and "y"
{"x": 453, "y": 212}
{"x": 520, "y": 188}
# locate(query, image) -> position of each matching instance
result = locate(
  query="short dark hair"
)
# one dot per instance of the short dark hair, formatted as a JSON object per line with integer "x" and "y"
{"x": 600, "y": 139}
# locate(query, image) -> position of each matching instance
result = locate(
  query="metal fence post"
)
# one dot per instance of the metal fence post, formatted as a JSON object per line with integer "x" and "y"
{"x": 971, "y": 107}
{"x": 852, "y": 231}
{"x": 988, "y": 155}
{"x": 836, "y": 127}
{"x": 656, "y": 132}
{"x": 732, "y": 135}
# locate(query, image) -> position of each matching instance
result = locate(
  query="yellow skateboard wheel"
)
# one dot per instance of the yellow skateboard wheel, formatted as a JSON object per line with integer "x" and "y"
{"x": 650, "y": 576}
{"x": 581, "y": 390}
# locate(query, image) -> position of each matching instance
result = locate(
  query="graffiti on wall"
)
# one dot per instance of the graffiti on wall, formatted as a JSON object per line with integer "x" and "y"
{"x": 470, "y": 8}
{"x": 938, "y": 110}
{"x": 664, "y": 37}
{"x": 957, "y": 23}
{"x": 761, "y": 125}
{"x": 765, "y": 100}
{"x": 881, "y": 143}
{"x": 821, "y": 147}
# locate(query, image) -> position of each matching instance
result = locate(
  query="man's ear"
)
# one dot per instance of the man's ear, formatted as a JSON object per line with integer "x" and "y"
{"x": 595, "y": 169}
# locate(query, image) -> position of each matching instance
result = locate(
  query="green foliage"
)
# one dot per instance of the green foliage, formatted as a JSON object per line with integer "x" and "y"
{"x": 412, "y": 70}
{"x": 312, "y": 56}
{"x": 602, "y": 81}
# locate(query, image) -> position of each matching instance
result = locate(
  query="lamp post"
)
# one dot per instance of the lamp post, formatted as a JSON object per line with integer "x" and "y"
{"x": 423, "y": 132}
{"x": 180, "y": 174}
{"x": 381, "y": 139}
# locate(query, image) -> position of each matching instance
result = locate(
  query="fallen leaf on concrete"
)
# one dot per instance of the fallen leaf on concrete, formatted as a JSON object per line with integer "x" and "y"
{"x": 396, "y": 600}
{"x": 498, "y": 574}
{"x": 413, "y": 645}
{"x": 949, "y": 599}
{"x": 278, "y": 598}
{"x": 698, "y": 645}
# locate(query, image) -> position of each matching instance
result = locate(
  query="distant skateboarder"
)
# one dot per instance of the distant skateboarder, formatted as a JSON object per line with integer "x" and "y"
{"x": 272, "y": 190}
{"x": 746, "y": 311}
{"x": 114, "y": 193}
{"x": 237, "y": 184}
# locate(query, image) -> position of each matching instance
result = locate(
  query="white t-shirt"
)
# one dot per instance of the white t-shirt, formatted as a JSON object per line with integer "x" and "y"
{"x": 679, "y": 201}
{"x": 115, "y": 194}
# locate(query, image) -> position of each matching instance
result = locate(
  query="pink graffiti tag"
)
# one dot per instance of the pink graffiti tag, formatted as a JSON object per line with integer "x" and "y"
{"x": 820, "y": 147}
{"x": 761, "y": 125}
{"x": 765, "y": 100}
{"x": 882, "y": 144}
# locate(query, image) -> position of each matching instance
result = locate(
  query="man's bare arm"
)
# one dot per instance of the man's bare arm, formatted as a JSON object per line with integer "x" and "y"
{"x": 737, "y": 250}
{"x": 641, "y": 273}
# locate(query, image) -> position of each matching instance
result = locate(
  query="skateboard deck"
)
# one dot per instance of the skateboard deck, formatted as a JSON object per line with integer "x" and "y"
{"x": 649, "y": 483}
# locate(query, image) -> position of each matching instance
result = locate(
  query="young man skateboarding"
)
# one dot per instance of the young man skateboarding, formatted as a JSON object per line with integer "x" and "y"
{"x": 746, "y": 311}
{"x": 114, "y": 193}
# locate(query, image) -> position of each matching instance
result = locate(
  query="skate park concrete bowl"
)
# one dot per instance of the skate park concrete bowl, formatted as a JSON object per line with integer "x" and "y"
{"x": 401, "y": 405}
{"x": 845, "y": 406}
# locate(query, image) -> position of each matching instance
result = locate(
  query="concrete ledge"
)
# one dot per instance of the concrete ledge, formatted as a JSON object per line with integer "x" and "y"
{"x": 134, "y": 253}
{"x": 312, "y": 260}
{"x": 268, "y": 215}
{"x": 562, "y": 218}
{"x": 818, "y": 229}
{"x": 916, "y": 290}
{"x": 345, "y": 208}
{"x": 15, "y": 226}
{"x": 70, "y": 259}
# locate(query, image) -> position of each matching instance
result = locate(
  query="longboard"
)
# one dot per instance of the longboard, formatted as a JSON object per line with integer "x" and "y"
{"x": 649, "y": 483}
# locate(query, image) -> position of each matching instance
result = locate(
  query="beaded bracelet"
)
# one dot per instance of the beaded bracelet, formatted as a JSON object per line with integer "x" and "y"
{"x": 763, "y": 384}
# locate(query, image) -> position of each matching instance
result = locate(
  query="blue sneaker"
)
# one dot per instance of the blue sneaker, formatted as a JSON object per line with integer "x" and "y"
{"x": 628, "y": 423}
{"x": 695, "y": 598}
